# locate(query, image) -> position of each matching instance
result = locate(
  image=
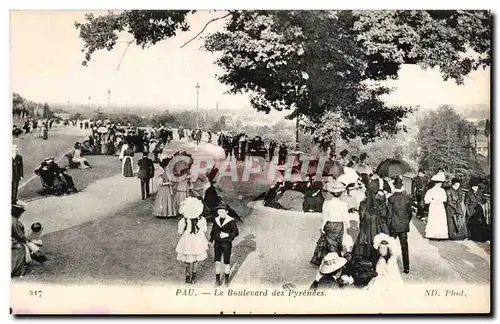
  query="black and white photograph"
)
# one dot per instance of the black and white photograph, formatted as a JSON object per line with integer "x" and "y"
{"x": 250, "y": 161}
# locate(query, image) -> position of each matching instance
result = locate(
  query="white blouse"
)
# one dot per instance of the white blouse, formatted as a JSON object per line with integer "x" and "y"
{"x": 335, "y": 210}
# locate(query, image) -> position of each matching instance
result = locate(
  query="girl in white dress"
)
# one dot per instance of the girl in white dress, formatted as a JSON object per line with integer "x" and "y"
{"x": 437, "y": 226}
{"x": 193, "y": 243}
{"x": 388, "y": 277}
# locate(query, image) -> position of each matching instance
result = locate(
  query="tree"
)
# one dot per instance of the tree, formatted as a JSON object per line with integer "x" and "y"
{"x": 445, "y": 142}
{"x": 288, "y": 60}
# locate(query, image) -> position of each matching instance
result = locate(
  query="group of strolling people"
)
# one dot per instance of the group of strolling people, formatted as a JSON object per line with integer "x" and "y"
{"x": 241, "y": 145}
{"x": 450, "y": 212}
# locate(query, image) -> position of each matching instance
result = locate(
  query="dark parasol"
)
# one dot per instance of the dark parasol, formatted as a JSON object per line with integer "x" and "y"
{"x": 393, "y": 168}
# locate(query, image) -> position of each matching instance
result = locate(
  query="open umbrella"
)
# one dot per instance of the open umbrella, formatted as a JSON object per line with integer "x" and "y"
{"x": 349, "y": 176}
{"x": 392, "y": 168}
{"x": 363, "y": 168}
{"x": 102, "y": 130}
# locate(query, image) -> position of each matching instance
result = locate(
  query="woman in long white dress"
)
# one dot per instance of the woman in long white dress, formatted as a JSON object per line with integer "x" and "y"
{"x": 437, "y": 225}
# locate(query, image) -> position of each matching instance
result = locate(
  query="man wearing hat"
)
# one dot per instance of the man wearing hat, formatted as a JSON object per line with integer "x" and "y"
{"x": 418, "y": 186}
{"x": 17, "y": 172}
{"x": 224, "y": 230}
{"x": 398, "y": 219}
{"x": 146, "y": 172}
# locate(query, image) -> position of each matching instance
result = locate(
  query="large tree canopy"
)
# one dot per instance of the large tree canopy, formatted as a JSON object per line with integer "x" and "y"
{"x": 319, "y": 64}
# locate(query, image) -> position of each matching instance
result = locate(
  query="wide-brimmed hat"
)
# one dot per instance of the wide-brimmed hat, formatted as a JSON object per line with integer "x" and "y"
{"x": 335, "y": 186}
{"x": 18, "y": 206}
{"x": 15, "y": 148}
{"x": 439, "y": 177}
{"x": 191, "y": 208}
{"x": 331, "y": 263}
{"x": 379, "y": 238}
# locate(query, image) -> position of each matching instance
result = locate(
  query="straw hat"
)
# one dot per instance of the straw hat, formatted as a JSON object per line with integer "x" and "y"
{"x": 191, "y": 208}
{"x": 331, "y": 263}
{"x": 439, "y": 177}
{"x": 335, "y": 186}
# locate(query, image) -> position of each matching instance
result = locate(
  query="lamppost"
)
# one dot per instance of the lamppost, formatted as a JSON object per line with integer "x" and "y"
{"x": 197, "y": 104}
{"x": 305, "y": 76}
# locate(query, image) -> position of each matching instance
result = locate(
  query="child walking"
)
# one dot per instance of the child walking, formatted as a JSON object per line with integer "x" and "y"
{"x": 193, "y": 245}
{"x": 223, "y": 233}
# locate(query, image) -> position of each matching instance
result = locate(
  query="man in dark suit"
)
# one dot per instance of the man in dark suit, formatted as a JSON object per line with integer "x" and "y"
{"x": 146, "y": 172}
{"x": 399, "y": 216}
{"x": 17, "y": 172}
{"x": 223, "y": 232}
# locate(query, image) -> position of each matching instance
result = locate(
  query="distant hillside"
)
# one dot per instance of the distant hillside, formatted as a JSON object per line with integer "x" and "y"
{"x": 477, "y": 111}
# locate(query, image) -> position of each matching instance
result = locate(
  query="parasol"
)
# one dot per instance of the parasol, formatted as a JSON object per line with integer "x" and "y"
{"x": 349, "y": 176}
{"x": 102, "y": 130}
{"x": 363, "y": 168}
{"x": 392, "y": 168}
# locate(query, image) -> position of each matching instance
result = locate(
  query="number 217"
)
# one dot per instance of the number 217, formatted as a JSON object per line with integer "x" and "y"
{"x": 36, "y": 293}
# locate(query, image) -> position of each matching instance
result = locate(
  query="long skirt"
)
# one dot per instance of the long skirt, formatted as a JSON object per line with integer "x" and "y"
{"x": 369, "y": 227}
{"x": 476, "y": 226}
{"x": 330, "y": 241}
{"x": 164, "y": 203}
{"x": 437, "y": 223}
{"x": 127, "y": 170}
{"x": 192, "y": 247}
{"x": 104, "y": 149}
{"x": 20, "y": 259}
{"x": 179, "y": 198}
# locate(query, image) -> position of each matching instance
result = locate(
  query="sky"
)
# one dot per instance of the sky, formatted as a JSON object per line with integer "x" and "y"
{"x": 46, "y": 67}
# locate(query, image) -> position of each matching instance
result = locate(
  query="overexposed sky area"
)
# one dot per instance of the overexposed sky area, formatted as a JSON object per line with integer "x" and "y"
{"x": 46, "y": 67}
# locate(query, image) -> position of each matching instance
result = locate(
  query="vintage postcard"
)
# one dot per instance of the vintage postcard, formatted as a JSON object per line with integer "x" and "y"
{"x": 250, "y": 162}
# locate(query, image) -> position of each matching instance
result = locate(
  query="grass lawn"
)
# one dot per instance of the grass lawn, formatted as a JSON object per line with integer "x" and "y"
{"x": 103, "y": 166}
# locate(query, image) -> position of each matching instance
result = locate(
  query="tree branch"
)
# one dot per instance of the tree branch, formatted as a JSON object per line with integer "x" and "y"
{"x": 206, "y": 25}
{"x": 123, "y": 56}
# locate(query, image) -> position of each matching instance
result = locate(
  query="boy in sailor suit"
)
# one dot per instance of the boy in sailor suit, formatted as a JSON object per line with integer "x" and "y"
{"x": 223, "y": 232}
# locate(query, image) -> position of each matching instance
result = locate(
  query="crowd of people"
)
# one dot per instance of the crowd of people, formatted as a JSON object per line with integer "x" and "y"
{"x": 38, "y": 127}
{"x": 384, "y": 211}
{"x": 383, "y": 206}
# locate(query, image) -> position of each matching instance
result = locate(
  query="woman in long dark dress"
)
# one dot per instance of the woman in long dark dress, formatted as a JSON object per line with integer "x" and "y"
{"x": 313, "y": 198}
{"x": 476, "y": 222}
{"x": 373, "y": 221}
{"x": 457, "y": 227}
